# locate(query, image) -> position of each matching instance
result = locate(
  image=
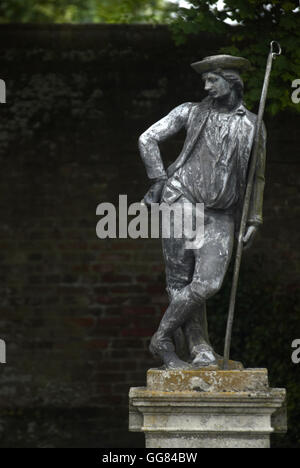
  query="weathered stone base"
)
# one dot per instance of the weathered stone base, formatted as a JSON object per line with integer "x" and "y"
{"x": 206, "y": 409}
{"x": 216, "y": 440}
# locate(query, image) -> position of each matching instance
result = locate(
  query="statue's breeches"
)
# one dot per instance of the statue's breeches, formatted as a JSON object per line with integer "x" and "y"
{"x": 204, "y": 268}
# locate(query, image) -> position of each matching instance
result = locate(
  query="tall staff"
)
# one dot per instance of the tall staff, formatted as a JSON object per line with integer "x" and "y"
{"x": 272, "y": 55}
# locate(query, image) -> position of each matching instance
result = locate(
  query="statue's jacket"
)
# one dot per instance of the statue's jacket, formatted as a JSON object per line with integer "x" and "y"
{"x": 195, "y": 117}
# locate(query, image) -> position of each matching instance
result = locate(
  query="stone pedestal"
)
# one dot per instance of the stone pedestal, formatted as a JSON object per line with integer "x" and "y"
{"x": 207, "y": 409}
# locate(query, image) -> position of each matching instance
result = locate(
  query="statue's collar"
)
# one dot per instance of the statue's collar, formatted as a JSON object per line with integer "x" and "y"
{"x": 240, "y": 109}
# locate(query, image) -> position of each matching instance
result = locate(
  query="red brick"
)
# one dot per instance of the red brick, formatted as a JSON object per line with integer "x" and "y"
{"x": 115, "y": 399}
{"x": 81, "y": 268}
{"x": 158, "y": 268}
{"x": 115, "y": 278}
{"x": 143, "y": 322}
{"x": 105, "y": 389}
{"x": 96, "y": 344}
{"x": 110, "y": 377}
{"x": 138, "y": 377}
{"x": 109, "y": 300}
{"x": 73, "y": 246}
{"x": 83, "y": 321}
{"x": 111, "y": 321}
{"x": 104, "y": 332}
{"x": 72, "y": 290}
{"x": 113, "y": 310}
{"x": 125, "y": 344}
{"x": 110, "y": 365}
{"x": 126, "y": 289}
{"x": 159, "y": 299}
{"x": 128, "y": 365}
{"x": 122, "y": 389}
{"x": 102, "y": 289}
{"x": 128, "y": 244}
{"x": 115, "y": 257}
{"x": 102, "y": 268}
{"x": 144, "y": 279}
{"x": 122, "y": 354}
{"x": 138, "y": 332}
{"x": 156, "y": 289}
{"x": 138, "y": 310}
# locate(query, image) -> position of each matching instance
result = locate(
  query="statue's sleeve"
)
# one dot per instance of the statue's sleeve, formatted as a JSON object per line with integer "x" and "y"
{"x": 255, "y": 215}
{"x": 160, "y": 131}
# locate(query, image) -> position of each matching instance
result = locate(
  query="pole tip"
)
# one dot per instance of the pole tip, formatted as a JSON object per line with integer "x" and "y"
{"x": 275, "y": 49}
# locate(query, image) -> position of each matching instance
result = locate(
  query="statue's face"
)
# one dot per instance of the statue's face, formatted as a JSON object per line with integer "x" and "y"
{"x": 216, "y": 85}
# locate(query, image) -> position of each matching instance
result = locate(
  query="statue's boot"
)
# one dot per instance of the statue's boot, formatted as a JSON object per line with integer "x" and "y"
{"x": 204, "y": 356}
{"x": 176, "y": 314}
{"x": 196, "y": 333}
{"x": 165, "y": 350}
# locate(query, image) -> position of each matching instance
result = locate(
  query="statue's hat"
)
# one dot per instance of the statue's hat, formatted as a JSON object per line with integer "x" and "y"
{"x": 226, "y": 62}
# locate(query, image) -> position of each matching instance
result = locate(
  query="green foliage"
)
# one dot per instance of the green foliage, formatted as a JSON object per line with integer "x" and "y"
{"x": 93, "y": 11}
{"x": 56, "y": 11}
{"x": 129, "y": 11}
{"x": 252, "y": 26}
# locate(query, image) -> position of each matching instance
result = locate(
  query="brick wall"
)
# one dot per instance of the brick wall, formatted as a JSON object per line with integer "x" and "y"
{"x": 76, "y": 311}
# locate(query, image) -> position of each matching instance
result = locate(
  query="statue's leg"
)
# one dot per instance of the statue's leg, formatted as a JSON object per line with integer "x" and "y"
{"x": 182, "y": 306}
{"x": 196, "y": 329}
{"x": 195, "y": 332}
{"x": 211, "y": 264}
{"x": 179, "y": 340}
{"x": 179, "y": 263}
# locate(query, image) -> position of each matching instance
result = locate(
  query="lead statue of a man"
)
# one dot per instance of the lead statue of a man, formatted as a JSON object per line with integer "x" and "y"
{"x": 211, "y": 169}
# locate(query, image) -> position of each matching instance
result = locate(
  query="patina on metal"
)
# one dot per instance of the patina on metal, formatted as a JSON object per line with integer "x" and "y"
{"x": 272, "y": 55}
{"x": 212, "y": 169}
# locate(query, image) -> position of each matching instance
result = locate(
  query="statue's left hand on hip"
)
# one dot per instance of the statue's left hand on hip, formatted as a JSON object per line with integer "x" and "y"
{"x": 155, "y": 192}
